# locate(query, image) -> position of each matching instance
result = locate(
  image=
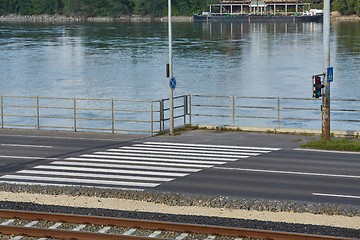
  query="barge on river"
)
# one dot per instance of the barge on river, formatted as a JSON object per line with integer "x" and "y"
{"x": 261, "y": 11}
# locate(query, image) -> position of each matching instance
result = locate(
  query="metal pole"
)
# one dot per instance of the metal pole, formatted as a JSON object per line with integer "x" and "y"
{"x": 278, "y": 110}
{"x": 171, "y": 107}
{"x": 152, "y": 118}
{"x": 112, "y": 116}
{"x": 2, "y": 111}
{"x": 233, "y": 110}
{"x": 75, "y": 127}
{"x": 37, "y": 113}
{"x": 326, "y": 64}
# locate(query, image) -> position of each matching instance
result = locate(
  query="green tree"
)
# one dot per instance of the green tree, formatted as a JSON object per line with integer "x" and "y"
{"x": 347, "y": 7}
{"x": 25, "y": 7}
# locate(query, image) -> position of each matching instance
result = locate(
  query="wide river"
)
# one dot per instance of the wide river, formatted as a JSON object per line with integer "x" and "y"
{"x": 127, "y": 60}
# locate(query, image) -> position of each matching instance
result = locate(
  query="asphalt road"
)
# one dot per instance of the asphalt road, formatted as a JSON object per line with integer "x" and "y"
{"x": 238, "y": 164}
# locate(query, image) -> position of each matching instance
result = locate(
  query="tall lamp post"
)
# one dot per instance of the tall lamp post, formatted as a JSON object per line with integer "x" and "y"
{"x": 170, "y": 72}
{"x": 326, "y": 65}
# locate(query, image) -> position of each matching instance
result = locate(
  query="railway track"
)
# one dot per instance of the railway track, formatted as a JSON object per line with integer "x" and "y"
{"x": 43, "y": 226}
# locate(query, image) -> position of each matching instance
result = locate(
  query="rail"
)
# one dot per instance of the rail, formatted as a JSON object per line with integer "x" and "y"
{"x": 80, "y": 227}
{"x": 271, "y": 112}
{"x": 80, "y": 114}
{"x": 152, "y": 117}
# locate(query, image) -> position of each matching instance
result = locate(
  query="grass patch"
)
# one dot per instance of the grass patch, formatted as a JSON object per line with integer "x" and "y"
{"x": 351, "y": 145}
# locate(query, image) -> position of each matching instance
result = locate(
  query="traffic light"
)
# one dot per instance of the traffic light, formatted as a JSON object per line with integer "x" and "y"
{"x": 317, "y": 86}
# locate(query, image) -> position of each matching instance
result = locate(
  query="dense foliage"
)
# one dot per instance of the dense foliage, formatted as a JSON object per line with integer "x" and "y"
{"x": 91, "y": 8}
{"x": 347, "y": 7}
{"x": 115, "y": 8}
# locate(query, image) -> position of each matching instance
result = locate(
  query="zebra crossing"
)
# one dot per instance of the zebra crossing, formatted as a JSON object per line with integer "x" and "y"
{"x": 137, "y": 167}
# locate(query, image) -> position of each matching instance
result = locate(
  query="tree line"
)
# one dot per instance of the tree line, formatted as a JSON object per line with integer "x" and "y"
{"x": 100, "y": 8}
{"x": 116, "y": 8}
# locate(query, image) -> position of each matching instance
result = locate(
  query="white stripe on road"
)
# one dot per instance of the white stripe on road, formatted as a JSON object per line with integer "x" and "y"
{"x": 176, "y": 153}
{"x": 74, "y": 180}
{"x": 166, "y": 150}
{"x": 125, "y": 156}
{"x": 118, "y": 171}
{"x": 92, "y": 175}
{"x": 64, "y": 185}
{"x": 137, "y": 162}
{"x": 219, "y": 146}
{"x": 178, "y": 156}
{"x": 29, "y": 146}
{"x": 23, "y": 157}
{"x": 201, "y": 148}
{"x": 336, "y": 195}
{"x": 289, "y": 172}
{"x": 68, "y": 163}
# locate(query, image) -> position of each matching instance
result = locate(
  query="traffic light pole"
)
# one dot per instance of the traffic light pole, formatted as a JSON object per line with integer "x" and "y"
{"x": 326, "y": 65}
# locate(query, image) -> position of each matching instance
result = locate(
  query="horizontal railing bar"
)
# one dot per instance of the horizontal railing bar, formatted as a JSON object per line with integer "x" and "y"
{"x": 308, "y": 119}
{"x": 304, "y": 99}
{"x": 94, "y": 119}
{"x": 310, "y": 109}
{"x": 254, "y": 107}
{"x": 19, "y": 106}
{"x": 133, "y": 121}
{"x": 21, "y": 97}
{"x": 56, "y": 127}
{"x": 59, "y": 117}
{"x": 55, "y": 107}
{"x": 252, "y": 117}
{"x": 345, "y": 110}
{"x": 20, "y": 115}
{"x": 349, "y": 120}
{"x": 212, "y": 106}
{"x": 209, "y": 115}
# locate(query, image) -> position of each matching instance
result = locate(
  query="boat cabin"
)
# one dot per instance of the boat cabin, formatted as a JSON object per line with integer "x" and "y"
{"x": 259, "y": 7}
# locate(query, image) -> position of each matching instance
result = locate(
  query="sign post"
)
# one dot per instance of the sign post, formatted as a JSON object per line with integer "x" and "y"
{"x": 170, "y": 72}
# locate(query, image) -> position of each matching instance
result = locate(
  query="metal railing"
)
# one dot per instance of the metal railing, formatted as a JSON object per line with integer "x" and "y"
{"x": 152, "y": 117}
{"x": 81, "y": 114}
{"x": 271, "y": 112}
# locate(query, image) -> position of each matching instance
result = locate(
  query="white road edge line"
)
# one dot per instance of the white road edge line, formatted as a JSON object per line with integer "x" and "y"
{"x": 23, "y": 145}
{"x": 335, "y": 195}
{"x": 23, "y": 157}
{"x": 325, "y": 151}
{"x": 288, "y": 172}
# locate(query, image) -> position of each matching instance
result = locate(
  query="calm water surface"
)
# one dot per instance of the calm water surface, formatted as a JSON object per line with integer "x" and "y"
{"x": 127, "y": 60}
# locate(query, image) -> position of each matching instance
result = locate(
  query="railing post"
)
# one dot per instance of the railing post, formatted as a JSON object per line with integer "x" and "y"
{"x": 75, "y": 127}
{"x": 37, "y": 113}
{"x": 185, "y": 108}
{"x": 152, "y": 118}
{"x": 162, "y": 115}
{"x": 2, "y": 111}
{"x": 233, "y": 111}
{"x": 278, "y": 108}
{"x": 190, "y": 109}
{"x": 112, "y": 117}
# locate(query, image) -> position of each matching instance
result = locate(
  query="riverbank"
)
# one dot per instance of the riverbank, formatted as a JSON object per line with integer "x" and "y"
{"x": 335, "y": 16}
{"x": 60, "y": 18}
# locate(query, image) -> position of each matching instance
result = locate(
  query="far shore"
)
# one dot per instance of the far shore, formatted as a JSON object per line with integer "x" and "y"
{"x": 61, "y": 18}
{"x": 335, "y": 16}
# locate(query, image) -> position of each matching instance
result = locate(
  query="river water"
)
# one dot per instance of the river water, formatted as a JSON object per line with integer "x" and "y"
{"x": 127, "y": 60}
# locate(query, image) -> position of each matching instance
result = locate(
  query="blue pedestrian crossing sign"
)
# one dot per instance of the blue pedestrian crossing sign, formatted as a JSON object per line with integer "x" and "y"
{"x": 330, "y": 74}
{"x": 173, "y": 83}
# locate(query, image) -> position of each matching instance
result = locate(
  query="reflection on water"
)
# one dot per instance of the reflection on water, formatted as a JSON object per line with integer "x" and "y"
{"x": 127, "y": 60}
